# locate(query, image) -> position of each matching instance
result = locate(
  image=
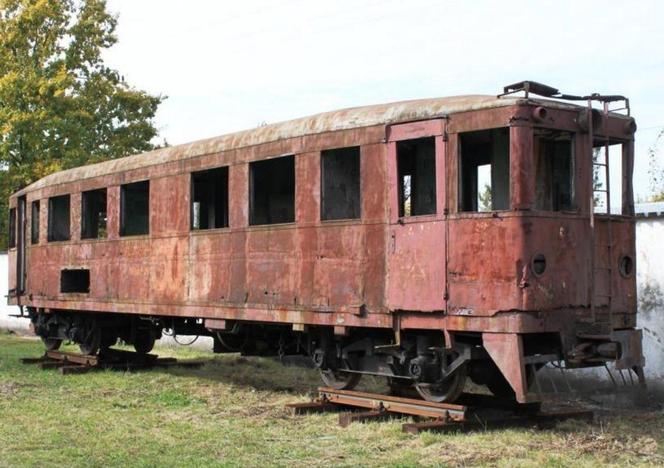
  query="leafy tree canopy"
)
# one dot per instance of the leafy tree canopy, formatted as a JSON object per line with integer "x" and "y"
{"x": 60, "y": 105}
{"x": 655, "y": 170}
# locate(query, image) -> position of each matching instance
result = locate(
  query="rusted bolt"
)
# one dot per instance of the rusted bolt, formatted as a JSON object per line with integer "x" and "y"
{"x": 539, "y": 114}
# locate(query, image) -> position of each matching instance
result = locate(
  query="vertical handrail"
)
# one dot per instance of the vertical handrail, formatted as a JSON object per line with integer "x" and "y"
{"x": 592, "y": 211}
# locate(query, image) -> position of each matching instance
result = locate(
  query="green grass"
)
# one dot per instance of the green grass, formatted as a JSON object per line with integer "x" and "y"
{"x": 231, "y": 412}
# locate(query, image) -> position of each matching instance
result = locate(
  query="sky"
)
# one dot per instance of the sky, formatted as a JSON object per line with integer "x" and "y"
{"x": 228, "y": 65}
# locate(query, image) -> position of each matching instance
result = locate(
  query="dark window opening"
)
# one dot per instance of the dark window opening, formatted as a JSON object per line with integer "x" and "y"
{"x": 416, "y": 167}
{"x": 75, "y": 281}
{"x": 12, "y": 228}
{"x": 484, "y": 170}
{"x": 209, "y": 207}
{"x": 340, "y": 183}
{"x": 58, "y": 218}
{"x": 135, "y": 209}
{"x": 93, "y": 214}
{"x": 272, "y": 191}
{"x": 34, "y": 223}
{"x": 554, "y": 169}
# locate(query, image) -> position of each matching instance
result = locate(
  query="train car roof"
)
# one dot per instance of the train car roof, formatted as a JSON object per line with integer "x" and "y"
{"x": 344, "y": 119}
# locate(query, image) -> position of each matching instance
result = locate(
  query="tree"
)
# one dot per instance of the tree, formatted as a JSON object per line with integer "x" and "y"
{"x": 60, "y": 105}
{"x": 655, "y": 170}
{"x": 485, "y": 199}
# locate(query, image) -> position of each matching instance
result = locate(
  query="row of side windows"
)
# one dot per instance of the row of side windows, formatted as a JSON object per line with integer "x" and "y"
{"x": 134, "y": 214}
{"x": 271, "y": 199}
{"x": 484, "y": 175}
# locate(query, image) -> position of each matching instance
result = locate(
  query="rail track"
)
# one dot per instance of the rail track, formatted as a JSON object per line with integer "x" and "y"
{"x": 115, "y": 359}
{"x": 472, "y": 413}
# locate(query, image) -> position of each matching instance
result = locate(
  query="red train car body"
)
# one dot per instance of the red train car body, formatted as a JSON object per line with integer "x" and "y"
{"x": 363, "y": 237}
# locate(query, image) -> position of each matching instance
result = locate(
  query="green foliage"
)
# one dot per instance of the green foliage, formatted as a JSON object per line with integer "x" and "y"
{"x": 655, "y": 170}
{"x": 60, "y": 105}
{"x": 231, "y": 412}
{"x": 485, "y": 199}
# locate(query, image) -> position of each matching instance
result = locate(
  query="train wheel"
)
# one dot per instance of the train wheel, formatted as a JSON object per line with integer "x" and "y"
{"x": 340, "y": 380}
{"x": 92, "y": 342}
{"x": 144, "y": 341}
{"x": 51, "y": 344}
{"x": 446, "y": 391}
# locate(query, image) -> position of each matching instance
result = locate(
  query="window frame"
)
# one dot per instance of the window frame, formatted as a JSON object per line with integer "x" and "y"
{"x": 11, "y": 241}
{"x": 84, "y": 236}
{"x": 573, "y": 171}
{"x": 122, "y": 223}
{"x": 34, "y": 233}
{"x": 251, "y": 185}
{"x": 330, "y": 151}
{"x": 399, "y": 188}
{"x": 460, "y": 173}
{"x": 50, "y": 226}
{"x": 227, "y": 220}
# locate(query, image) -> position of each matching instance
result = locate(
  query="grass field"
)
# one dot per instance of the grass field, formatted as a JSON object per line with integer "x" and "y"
{"x": 231, "y": 413}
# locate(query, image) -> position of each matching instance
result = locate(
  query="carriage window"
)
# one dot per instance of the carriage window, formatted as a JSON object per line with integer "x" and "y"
{"x": 416, "y": 167}
{"x": 272, "y": 191}
{"x": 12, "y": 228}
{"x": 209, "y": 206}
{"x": 340, "y": 183}
{"x": 608, "y": 194}
{"x": 34, "y": 223}
{"x": 93, "y": 214}
{"x": 554, "y": 169}
{"x": 484, "y": 170}
{"x": 135, "y": 209}
{"x": 58, "y": 218}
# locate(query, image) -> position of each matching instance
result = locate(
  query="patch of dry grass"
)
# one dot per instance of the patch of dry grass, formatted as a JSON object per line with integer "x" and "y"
{"x": 231, "y": 412}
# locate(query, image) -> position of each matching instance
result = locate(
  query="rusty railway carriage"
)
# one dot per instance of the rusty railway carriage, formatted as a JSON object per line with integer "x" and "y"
{"x": 363, "y": 237}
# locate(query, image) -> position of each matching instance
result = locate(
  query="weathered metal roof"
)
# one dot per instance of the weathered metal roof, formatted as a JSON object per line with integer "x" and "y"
{"x": 344, "y": 119}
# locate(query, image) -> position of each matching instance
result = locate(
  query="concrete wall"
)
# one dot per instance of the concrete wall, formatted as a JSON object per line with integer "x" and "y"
{"x": 650, "y": 289}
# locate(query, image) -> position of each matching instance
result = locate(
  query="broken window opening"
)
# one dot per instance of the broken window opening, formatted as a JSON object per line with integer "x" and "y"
{"x": 340, "y": 183}
{"x": 93, "y": 214}
{"x": 601, "y": 198}
{"x": 75, "y": 281}
{"x": 34, "y": 223}
{"x": 484, "y": 170}
{"x": 209, "y": 206}
{"x": 554, "y": 170}
{"x": 12, "y": 228}
{"x": 416, "y": 168}
{"x": 135, "y": 209}
{"x": 272, "y": 191}
{"x": 58, "y": 218}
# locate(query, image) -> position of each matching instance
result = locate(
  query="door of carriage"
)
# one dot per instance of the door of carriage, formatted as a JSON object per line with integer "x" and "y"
{"x": 417, "y": 245}
{"x": 21, "y": 242}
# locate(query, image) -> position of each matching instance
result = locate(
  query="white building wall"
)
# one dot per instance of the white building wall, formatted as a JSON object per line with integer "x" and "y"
{"x": 650, "y": 291}
{"x": 7, "y": 322}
